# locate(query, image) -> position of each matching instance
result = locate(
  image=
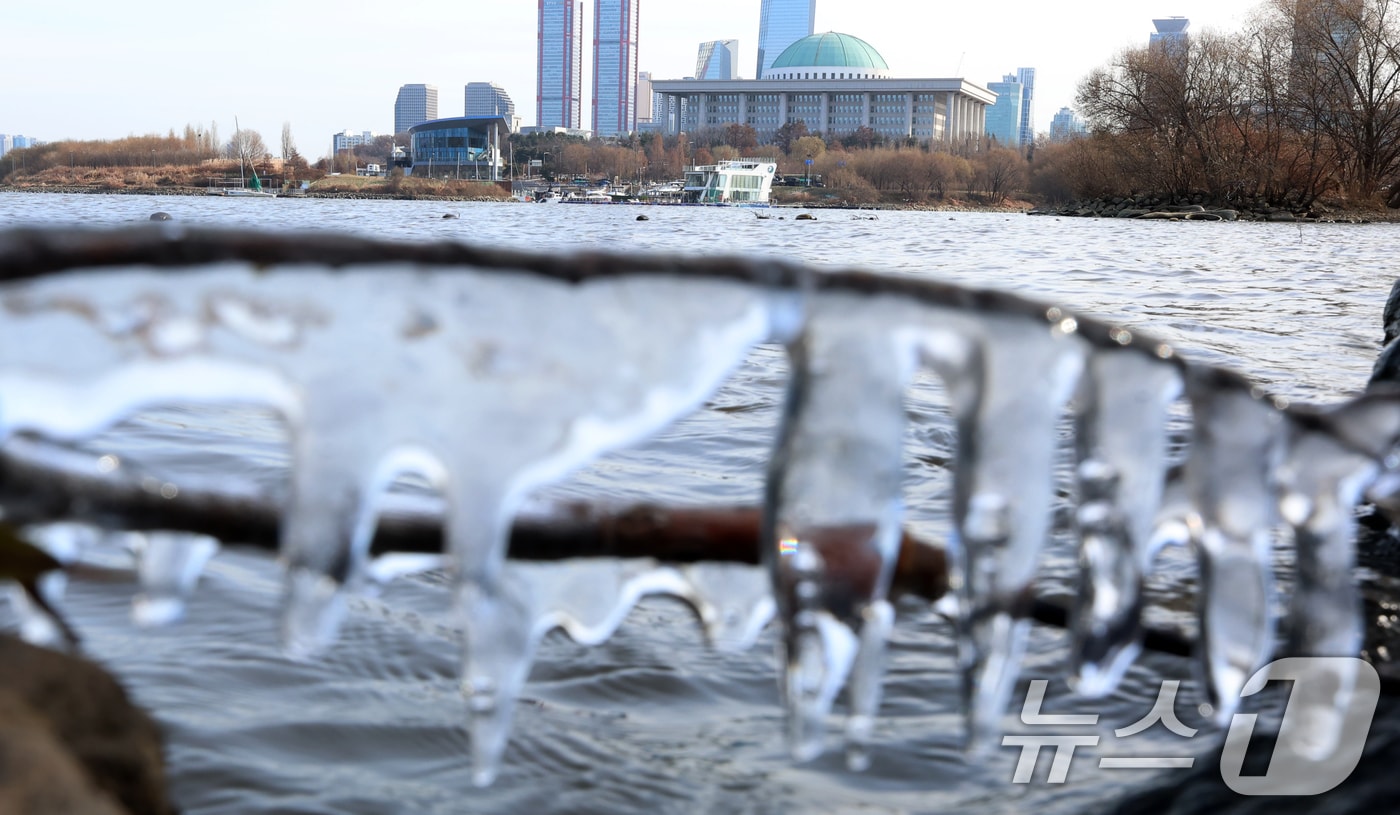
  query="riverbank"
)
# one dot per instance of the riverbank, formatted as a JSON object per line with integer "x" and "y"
{"x": 1124, "y": 207}
{"x": 1201, "y": 208}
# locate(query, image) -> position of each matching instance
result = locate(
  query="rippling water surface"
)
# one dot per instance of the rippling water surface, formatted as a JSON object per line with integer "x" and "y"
{"x": 652, "y": 721}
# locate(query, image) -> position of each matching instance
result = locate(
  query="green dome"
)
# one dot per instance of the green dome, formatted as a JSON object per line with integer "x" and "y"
{"x": 830, "y": 50}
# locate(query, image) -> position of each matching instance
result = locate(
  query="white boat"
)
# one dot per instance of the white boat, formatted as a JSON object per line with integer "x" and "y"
{"x": 744, "y": 182}
{"x": 589, "y": 197}
{"x": 244, "y": 189}
{"x": 241, "y": 192}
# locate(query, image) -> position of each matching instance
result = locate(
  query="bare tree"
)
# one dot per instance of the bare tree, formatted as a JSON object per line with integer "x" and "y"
{"x": 246, "y": 146}
{"x": 998, "y": 171}
{"x": 1344, "y": 82}
{"x": 290, "y": 156}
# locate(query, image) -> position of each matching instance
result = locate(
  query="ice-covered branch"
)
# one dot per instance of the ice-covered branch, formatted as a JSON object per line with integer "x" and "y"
{"x": 490, "y": 374}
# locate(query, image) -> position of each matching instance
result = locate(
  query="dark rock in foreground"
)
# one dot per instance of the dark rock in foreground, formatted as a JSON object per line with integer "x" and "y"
{"x": 71, "y": 741}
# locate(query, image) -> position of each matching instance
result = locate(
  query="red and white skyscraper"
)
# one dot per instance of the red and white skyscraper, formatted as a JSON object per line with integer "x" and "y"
{"x": 559, "y": 88}
{"x": 615, "y": 67}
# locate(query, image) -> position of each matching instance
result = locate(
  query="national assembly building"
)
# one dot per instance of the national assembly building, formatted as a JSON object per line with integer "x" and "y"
{"x": 835, "y": 84}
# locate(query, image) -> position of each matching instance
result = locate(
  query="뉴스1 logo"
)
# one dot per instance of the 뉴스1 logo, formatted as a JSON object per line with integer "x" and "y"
{"x": 1320, "y": 739}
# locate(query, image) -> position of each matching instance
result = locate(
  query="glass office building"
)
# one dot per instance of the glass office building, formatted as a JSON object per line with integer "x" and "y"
{"x": 615, "y": 67}
{"x": 1004, "y": 117}
{"x": 464, "y": 147}
{"x": 780, "y": 24}
{"x": 1026, "y": 76}
{"x": 559, "y": 72}
{"x": 718, "y": 59}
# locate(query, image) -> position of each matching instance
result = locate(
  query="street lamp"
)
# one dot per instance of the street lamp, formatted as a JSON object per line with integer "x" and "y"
{"x": 809, "y": 169}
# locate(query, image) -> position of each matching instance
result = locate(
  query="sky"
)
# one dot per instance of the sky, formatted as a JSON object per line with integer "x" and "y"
{"x": 90, "y": 69}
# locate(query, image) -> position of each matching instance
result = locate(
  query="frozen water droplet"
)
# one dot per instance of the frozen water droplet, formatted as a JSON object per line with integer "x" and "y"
{"x": 863, "y": 690}
{"x": 1322, "y": 478}
{"x": 313, "y": 608}
{"x": 1235, "y": 445}
{"x": 1008, "y": 399}
{"x": 168, "y": 564}
{"x": 734, "y": 602}
{"x": 1122, "y": 444}
{"x": 834, "y": 509}
{"x": 498, "y": 643}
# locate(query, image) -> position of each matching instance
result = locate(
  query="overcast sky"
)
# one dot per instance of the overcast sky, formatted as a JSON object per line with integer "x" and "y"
{"x": 100, "y": 70}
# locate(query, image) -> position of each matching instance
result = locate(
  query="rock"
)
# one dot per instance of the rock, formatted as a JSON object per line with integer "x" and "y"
{"x": 643, "y": 218}
{"x": 37, "y": 773}
{"x": 449, "y": 217}
{"x": 81, "y": 736}
{"x": 806, "y": 216}
{"x": 1281, "y": 217}
{"x": 161, "y": 216}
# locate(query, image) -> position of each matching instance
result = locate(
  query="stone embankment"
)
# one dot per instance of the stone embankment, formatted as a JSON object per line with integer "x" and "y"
{"x": 1148, "y": 208}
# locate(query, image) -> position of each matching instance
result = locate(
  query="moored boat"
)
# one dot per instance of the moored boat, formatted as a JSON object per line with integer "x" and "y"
{"x": 744, "y": 182}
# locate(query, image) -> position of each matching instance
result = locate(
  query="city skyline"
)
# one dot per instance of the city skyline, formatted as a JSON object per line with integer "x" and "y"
{"x": 132, "y": 77}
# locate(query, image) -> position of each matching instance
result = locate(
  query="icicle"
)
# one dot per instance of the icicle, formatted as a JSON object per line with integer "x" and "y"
{"x": 1123, "y": 450}
{"x": 587, "y": 598}
{"x": 1234, "y": 448}
{"x": 169, "y": 564}
{"x": 734, "y": 602}
{"x": 1007, "y": 395}
{"x": 617, "y": 360}
{"x": 833, "y": 515}
{"x": 1321, "y": 479}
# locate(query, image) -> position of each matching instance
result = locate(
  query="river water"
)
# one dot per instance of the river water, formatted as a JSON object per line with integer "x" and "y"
{"x": 652, "y": 721}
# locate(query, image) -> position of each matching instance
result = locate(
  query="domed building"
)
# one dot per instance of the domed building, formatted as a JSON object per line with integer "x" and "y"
{"x": 839, "y": 55}
{"x": 836, "y": 84}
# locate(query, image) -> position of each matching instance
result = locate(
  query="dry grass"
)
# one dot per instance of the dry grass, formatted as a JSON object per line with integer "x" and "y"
{"x": 401, "y": 187}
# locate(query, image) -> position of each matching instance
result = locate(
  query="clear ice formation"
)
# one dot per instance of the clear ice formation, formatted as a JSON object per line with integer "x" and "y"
{"x": 1121, "y": 445}
{"x": 490, "y": 381}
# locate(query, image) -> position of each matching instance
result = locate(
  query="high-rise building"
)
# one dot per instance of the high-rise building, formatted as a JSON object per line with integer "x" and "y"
{"x": 718, "y": 59}
{"x": 644, "y": 98}
{"x": 487, "y": 99}
{"x": 1004, "y": 117}
{"x": 780, "y": 24}
{"x": 1066, "y": 125}
{"x": 615, "y": 24}
{"x": 1326, "y": 49}
{"x": 1026, "y": 76}
{"x": 415, "y": 104}
{"x": 559, "y": 76}
{"x": 1170, "y": 33}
